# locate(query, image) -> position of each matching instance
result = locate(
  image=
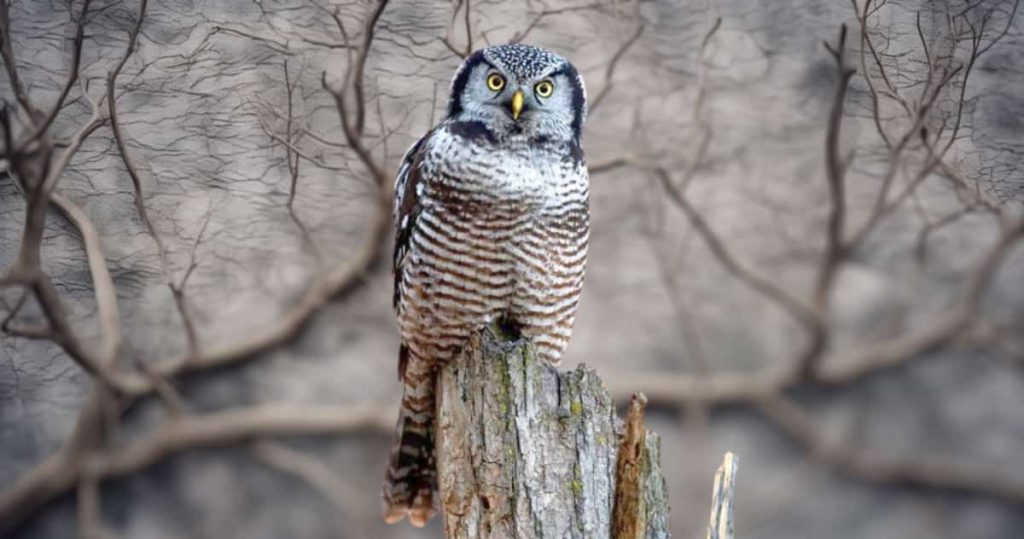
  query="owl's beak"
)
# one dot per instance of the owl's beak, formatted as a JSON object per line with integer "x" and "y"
{"x": 517, "y": 104}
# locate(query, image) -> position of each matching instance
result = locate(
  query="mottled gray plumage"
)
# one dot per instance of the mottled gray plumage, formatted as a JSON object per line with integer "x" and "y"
{"x": 492, "y": 221}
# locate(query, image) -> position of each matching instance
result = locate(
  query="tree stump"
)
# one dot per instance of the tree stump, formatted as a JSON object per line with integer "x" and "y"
{"x": 526, "y": 452}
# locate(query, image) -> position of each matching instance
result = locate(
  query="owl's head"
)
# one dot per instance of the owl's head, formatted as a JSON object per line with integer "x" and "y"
{"x": 520, "y": 90}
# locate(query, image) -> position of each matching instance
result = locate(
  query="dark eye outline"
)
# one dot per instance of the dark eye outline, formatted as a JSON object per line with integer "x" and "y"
{"x": 495, "y": 82}
{"x": 543, "y": 85}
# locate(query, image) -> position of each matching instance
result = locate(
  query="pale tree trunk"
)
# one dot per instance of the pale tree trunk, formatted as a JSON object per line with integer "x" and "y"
{"x": 720, "y": 524}
{"x": 526, "y": 452}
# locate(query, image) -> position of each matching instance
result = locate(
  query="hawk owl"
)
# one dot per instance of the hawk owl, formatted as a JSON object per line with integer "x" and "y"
{"x": 492, "y": 222}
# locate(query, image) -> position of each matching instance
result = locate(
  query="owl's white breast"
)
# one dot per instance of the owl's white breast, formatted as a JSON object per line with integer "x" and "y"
{"x": 515, "y": 171}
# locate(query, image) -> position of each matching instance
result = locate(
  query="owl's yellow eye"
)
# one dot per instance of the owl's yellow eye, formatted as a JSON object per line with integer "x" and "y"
{"x": 495, "y": 82}
{"x": 544, "y": 88}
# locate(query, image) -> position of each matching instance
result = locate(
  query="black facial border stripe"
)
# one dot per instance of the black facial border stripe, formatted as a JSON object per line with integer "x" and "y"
{"x": 462, "y": 79}
{"x": 578, "y": 99}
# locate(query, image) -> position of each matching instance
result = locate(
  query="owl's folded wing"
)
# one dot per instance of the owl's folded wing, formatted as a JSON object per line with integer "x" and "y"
{"x": 407, "y": 206}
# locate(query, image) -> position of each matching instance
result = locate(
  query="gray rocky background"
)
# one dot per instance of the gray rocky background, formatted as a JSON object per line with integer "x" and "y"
{"x": 205, "y": 88}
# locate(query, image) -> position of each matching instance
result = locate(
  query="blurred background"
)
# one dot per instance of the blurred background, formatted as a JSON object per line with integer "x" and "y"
{"x": 816, "y": 268}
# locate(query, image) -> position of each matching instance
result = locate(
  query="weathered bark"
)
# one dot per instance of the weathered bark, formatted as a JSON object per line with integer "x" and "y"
{"x": 722, "y": 494}
{"x": 641, "y": 501}
{"x": 526, "y": 452}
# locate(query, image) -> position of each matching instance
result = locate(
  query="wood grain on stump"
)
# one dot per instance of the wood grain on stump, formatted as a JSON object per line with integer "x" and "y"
{"x": 527, "y": 452}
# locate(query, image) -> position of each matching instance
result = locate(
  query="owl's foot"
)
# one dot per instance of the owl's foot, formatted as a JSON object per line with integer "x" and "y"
{"x": 398, "y": 505}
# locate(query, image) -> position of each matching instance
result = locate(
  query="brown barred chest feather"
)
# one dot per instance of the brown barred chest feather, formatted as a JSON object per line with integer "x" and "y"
{"x": 471, "y": 264}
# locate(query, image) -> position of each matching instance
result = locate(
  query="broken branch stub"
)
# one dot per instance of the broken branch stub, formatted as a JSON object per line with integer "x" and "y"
{"x": 724, "y": 490}
{"x": 526, "y": 452}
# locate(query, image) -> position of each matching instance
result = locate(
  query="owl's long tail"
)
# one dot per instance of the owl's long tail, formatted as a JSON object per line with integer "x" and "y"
{"x": 412, "y": 476}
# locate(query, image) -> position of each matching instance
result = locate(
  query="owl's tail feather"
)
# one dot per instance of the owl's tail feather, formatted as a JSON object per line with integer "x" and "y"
{"x": 412, "y": 476}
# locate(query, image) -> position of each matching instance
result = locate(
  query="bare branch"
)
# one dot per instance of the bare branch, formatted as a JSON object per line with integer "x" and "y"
{"x": 27, "y": 268}
{"x": 835, "y": 249}
{"x": 62, "y": 471}
{"x": 293, "y": 170}
{"x": 1002, "y": 33}
{"x": 315, "y": 473}
{"x": 518, "y": 37}
{"x": 177, "y": 292}
{"x": 355, "y": 140}
{"x": 668, "y": 389}
{"x": 921, "y": 245}
{"x": 469, "y": 30}
{"x": 766, "y": 287}
{"x": 103, "y": 283}
{"x": 919, "y": 470}
{"x": 12, "y": 312}
{"x": 609, "y": 165}
{"x": 76, "y": 57}
{"x": 165, "y": 391}
{"x": 610, "y": 70}
{"x": 865, "y": 44}
{"x": 836, "y": 176}
{"x": 358, "y": 78}
{"x": 90, "y": 520}
{"x": 7, "y": 53}
{"x": 336, "y": 283}
{"x": 292, "y": 148}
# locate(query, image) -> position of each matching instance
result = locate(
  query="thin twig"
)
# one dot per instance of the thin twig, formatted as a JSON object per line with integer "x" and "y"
{"x": 609, "y": 71}
{"x": 835, "y": 247}
{"x": 358, "y": 82}
{"x": 40, "y": 127}
{"x": 293, "y": 170}
{"x": 7, "y": 54}
{"x": 323, "y": 478}
{"x": 797, "y": 308}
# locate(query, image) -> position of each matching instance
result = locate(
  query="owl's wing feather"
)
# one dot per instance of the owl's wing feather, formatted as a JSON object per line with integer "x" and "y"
{"x": 407, "y": 207}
